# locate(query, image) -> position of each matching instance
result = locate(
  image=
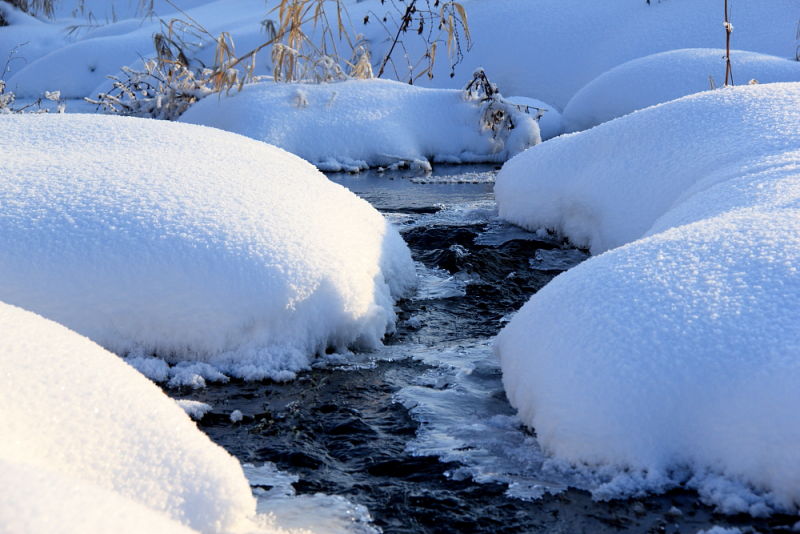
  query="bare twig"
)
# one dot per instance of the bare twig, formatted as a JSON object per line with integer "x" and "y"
{"x": 728, "y": 32}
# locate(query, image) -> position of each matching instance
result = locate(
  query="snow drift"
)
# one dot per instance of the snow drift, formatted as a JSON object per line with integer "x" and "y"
{"x": 357, "y": 124}
{"x": 680, "y": 348}
{"x": 666, "y": 76}
{"x": 186, "y": 242}
{"x": 90, "y": 445}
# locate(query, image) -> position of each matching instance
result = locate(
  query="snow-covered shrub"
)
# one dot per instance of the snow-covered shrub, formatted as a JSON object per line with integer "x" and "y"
{"x": 673, "y": 354}
{"x": 50, "y": 101}
{"x": 160, "y": 91}
{"x": 498, "y": 115}
{"x": 173, "y": 80}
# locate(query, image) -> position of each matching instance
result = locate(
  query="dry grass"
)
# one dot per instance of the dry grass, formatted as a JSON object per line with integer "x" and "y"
{"x": 797, "y": 38}
{"x": 173, "y": 80}
{"x": 309, "y": 41}
{"x": 298, "y": 56}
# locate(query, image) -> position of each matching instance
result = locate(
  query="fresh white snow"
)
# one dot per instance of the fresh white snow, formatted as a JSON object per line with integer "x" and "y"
{"x": 357, "y": 124}
{"x": 38, "y": 500}
{"x": 678, "y": 348}
{"x": 90, "y": 445}
{"x": 666, "y": 76}
{"x": 191, "y": 243}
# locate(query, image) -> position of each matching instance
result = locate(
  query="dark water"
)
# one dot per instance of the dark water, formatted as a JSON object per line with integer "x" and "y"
{"x": 341, "y": 430}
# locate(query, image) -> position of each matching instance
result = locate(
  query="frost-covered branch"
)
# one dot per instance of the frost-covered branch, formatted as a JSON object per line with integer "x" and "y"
{"x": 50, "y": 101}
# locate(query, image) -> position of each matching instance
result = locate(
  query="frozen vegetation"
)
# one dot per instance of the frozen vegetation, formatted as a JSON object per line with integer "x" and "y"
{"x": 676, "y": 346}
{"x": 151, "y": 237}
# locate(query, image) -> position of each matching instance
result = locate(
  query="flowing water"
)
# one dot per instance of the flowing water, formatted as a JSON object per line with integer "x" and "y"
{"x": 419, "y": 437}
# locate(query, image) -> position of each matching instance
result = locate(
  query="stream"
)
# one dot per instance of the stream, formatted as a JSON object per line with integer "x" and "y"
{"x": 418, "y": 436}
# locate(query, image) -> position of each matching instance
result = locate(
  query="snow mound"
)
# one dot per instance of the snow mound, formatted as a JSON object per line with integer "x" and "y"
{"x": 666, "y": 76}
{"x": 90, "y": 445}
{"x": 357, "y": 124}
{"x": 191, "y": 243}
{"x": 551, "y": 123}
{"x": 678, "y": 350}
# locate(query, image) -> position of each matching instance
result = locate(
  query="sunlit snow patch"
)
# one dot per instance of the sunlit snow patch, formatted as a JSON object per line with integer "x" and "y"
{"x": 77, "y": 418}
{"x": 191, "y": 244}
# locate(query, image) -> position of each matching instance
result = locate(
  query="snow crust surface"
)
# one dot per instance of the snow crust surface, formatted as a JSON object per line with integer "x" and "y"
{"x": 666, "y": 76}
{"x": 192, "y": 244}
{"x": 357, "y": 124}
{"x": 90, "y": 445}
{"x": 678, "y": 350}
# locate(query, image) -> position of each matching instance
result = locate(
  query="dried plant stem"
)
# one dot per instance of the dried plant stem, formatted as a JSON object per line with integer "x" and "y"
{"x": 728, "y": 32}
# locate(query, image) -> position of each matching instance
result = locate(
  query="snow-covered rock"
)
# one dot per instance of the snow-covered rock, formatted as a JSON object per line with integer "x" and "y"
{"x": 357, "y": 124}
{"x": 666, "y": 76}
{"x": 190, "y": 243}
{"x": 680, "y": 348}
{"x": 90, "y": 445}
